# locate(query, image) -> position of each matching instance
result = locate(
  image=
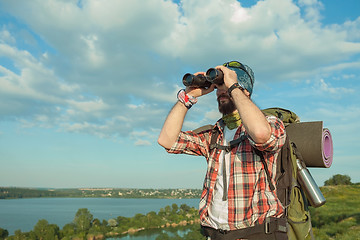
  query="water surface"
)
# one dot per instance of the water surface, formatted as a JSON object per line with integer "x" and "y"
{"x": 23, "y": 214}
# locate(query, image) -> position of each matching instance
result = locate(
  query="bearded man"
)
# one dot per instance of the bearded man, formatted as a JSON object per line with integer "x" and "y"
{"x": 237, "y": 201}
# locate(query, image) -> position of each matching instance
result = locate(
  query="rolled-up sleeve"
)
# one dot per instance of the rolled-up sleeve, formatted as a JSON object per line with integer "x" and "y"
{"x": 277, "y": 138}
{"x": 191, "y": 143}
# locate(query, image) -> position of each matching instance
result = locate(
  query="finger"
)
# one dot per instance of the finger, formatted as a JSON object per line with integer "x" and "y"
{"x": 221, "y": 67}
{"x": 224, "y": 69}
{"x": 200, "y": 73}
{"x": 189, "y": 89}
{"x": 209, "y": 89}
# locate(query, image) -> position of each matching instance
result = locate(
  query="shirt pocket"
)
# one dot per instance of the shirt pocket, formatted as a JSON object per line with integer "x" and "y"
{"x": 247, "y": 161}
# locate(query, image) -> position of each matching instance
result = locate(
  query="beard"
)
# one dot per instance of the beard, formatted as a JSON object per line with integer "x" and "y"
{"x": 225, "y": 106}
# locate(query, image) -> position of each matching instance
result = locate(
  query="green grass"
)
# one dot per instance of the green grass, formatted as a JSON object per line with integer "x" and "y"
{"x": 339, "y": 218}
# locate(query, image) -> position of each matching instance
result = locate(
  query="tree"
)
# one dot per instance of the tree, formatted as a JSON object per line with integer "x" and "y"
{"x": 139, "y": 220}
{"x": 153, "y": 220}
{"x": 112, "y": 222}
{"x": 123, "y": 223}
{"x": 68, "y": 230}
{"x": 184, "y": 208}
{"x": 96, "y": 222}
{"x": 3, "y": 233}
{"x": 338, "y": 179}
{"x": 45, "y": 231}
{"x": 162, "y": 212}
{"x": 167, "y": 210}
{"x": 83, "y": 219}
{"x": 175, "y": 208}
{"x": 18, "y": 235}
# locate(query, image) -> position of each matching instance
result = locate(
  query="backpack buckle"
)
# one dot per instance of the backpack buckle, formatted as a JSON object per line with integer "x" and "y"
{"x": 272, "y": 225}
{"x": 227, "y": 149}
{"x": 267, "y": 225}
{"x": 222, "y": 231}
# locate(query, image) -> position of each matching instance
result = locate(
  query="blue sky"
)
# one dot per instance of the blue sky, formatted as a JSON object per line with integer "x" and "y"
{"x": 86, "y": 85}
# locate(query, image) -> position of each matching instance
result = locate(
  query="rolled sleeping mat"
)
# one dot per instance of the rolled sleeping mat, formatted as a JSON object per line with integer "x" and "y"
{"x": 313, "y": 141}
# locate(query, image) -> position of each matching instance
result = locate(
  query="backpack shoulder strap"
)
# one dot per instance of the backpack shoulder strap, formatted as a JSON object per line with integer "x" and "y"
{"x": 214, "y": 136}
{"x": 203, "y": 128}
{"x": 287, "y": 117}
{"x": 261, "y": 155}
{"x": 232, "y": 143}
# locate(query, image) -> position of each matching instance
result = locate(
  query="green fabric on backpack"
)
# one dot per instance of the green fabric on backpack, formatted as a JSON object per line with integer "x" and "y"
{"x": 284, "y": 115}
{"x": 298, "y": 213}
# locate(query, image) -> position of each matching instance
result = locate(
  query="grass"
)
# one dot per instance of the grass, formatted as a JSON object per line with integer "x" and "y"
{"x": 339, "y": 218}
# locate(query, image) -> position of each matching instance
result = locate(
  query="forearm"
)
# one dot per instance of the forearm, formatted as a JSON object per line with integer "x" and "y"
{"x": 253, "y": 119}
{"x": 174, "y": 121}
{"x": 172, "y": 125}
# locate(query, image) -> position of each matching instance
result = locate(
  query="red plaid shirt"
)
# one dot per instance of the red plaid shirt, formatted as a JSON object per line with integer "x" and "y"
{"x": 250, "y": 199}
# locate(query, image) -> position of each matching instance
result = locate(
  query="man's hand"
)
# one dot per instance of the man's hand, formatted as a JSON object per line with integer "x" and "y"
{"x": 230, "y": 76}
{"x": 198, "y": 92}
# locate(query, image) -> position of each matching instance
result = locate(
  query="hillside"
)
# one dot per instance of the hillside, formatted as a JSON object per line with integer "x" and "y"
{"x": 339, "y": 218}
{"x": 12, "y": 192}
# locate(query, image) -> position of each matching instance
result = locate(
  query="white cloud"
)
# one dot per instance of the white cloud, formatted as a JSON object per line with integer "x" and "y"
{"x": 212, "y": 115}
{"x": 275, "y": 40}
{"x": 312, "y": 10}
{"x": 142, "y": 143}
{"x": 240, "y": 14}
{"x": 89, "y": 106}
{"x": 94, "y": 57}
{"x": 350, "y": 29}
{"x": 327, "y": 88}
{"x": 6, "y": 37}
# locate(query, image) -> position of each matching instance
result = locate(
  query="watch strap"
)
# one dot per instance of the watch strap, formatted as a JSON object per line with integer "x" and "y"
{"x": 235, "y": 85}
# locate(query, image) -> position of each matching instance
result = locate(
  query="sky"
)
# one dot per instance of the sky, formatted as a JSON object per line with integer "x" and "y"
{"x": 85, "y": 85}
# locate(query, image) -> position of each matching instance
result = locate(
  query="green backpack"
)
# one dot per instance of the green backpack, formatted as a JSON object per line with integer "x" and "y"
{"x": 288, "y": 188}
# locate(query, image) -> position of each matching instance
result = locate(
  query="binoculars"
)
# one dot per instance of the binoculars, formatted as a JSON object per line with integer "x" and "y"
{"x": 212, "y": 76}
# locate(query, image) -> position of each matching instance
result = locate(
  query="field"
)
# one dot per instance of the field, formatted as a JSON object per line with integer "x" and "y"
{"x": 339, "y": 218}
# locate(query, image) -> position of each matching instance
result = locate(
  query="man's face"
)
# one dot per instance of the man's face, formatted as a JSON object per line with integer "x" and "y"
{"x": 225, "y": 103}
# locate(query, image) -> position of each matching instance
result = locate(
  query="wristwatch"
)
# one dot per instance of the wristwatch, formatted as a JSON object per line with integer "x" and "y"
{"x": 235, "y": 85}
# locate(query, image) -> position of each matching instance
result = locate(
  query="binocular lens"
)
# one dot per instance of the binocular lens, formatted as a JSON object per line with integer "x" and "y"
{"x": 215, "y": 76}
{"x": 188, "y": 79}
{"x": 211, "y": 73}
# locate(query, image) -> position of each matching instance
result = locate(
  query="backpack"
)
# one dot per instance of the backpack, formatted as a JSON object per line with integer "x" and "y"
{"x": 288, "y": 189}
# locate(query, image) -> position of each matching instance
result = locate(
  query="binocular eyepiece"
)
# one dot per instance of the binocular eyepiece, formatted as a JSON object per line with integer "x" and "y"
{"x": 212, "y": 76}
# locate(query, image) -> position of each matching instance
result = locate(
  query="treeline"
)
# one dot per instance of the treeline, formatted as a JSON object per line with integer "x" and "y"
{"x": 13, "y": 192}
{"x": 84, "y": 226}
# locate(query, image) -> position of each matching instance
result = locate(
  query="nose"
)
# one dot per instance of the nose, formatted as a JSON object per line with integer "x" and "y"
{"x": 221, "y": 89}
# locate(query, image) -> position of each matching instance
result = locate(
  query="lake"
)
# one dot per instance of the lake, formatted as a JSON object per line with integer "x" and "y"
{"x": 23, "y": 214}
